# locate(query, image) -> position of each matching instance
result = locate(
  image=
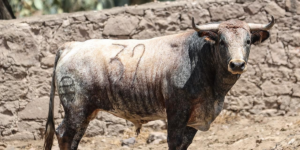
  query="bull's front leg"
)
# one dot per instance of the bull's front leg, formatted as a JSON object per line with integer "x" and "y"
{"x": 178, "y": 113}
{"x": 188, "y": 136}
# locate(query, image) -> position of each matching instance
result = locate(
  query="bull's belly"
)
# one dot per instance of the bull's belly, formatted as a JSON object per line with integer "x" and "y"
{"x": 139, "y": 118}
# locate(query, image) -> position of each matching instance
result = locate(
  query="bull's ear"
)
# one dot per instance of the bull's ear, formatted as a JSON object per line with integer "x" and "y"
{"x": 259, "y": 36}
{"x": 209, "y": 36}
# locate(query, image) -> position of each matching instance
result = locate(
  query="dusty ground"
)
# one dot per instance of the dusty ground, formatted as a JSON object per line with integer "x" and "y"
{"x": 229, "y": 133}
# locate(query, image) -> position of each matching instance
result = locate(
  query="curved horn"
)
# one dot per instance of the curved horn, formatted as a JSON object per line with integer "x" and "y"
{"x": 206, "y": 27}
{"x": 254, "y": 26}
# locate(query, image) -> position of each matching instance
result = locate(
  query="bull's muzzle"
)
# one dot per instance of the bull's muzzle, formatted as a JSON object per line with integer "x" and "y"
{"x": 237, "y": 66}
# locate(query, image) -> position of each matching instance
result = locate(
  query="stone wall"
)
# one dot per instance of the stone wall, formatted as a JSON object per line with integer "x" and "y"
{"x": 28, "y": 46}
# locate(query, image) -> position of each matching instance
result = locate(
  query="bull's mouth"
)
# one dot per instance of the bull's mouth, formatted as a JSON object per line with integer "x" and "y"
{"x": 237, "y": 72}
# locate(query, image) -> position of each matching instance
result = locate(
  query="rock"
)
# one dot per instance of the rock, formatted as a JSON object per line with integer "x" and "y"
{"x": 135, "y": 11}
{"x": 292, "y": 6}
{"x": 269, "y": 112}
{"x": 271, "y": 89}
{"x": 6, "y": 120}
{"x": 19, "y": 45}
{"x": 20, "y": 136}
{"x": 185, "y": 21}
{"x": 30, "y": 126}
{"x": 244, "y": 1}
{"x": 16, "y": 72}
{"x": 270, "y": 102}
{"x": 239, "y": 103}
{"x": 38, "y": 109}
{"x": 120, "y": 25}
{"x": 156, "y": 125}
{"x": 48, "y": 61}
{"x": 253, "y": 8}
{"x": 115, "y": 129}
{"x": 278, "y": 54}
{"x": 3, "y": 145}
{"x": 128, "y": 142}
{"x": 96, "y": 17}
{"x": 284, "y": 102}
{"x": 156, "y": 138}
{"x": 273, "y": 9}
{"x": 7, "y": 94}
{"x": 110, "y": 119}
{"x": 295, "y": 104}
{"x": 145, "y": 24}
{"x": 201, "y": 16}
{"x": 297, "y": 74}
{"x": 96, "y": 127}
{"x": 226, "y": 12}
{"x": 162, "y": 25}
{"x": 296, "y": 89}
{"x": 10, "y": 108}
{"x": 244, "y": 87}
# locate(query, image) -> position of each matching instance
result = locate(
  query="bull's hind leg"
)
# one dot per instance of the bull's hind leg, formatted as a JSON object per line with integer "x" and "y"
{"x": 78, "y": 114}
{"x": 73, "y": 127}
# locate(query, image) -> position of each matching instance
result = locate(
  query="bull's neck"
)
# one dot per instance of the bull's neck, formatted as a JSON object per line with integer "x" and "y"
{"x": 224, "y": 81}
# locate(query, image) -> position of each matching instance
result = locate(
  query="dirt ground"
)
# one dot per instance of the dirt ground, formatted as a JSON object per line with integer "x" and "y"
{"x": 228, "y": 133}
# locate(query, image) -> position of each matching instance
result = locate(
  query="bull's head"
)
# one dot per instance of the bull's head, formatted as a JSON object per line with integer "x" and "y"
{"x": 233, "y": 39}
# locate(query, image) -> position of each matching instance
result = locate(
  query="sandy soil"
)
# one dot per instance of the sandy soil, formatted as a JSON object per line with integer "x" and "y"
{"x": 228, "y": 133}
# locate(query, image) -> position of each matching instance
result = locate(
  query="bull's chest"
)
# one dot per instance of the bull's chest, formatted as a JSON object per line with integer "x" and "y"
{"x": 203, "y": 114}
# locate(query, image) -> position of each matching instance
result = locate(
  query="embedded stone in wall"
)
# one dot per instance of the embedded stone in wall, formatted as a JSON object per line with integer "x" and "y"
{"x": 292, "y": 6}
{"x": 244, "y": 87}
{"x": 201, "y": 16}
{"x": 136, "y": 11}
{"x": 6, "y": 120}
{"x": 38, "y": 109}
{"x": 19, "y": 45}
{"x": 96, "y": 127}
{"x": 121, "y": 25}
{"x": 254, "y": 7}
{"x": 48, "y": 61}
{"x": 11, "y": 91}
{"x": 273, "y": 9}
{"x": 271, "y": 89}
{"x": 226, "y": 12}
{"x": 290, "y": 37}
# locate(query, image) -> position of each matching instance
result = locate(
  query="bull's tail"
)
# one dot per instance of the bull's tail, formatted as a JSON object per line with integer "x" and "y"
{"x": 50, "y": 127}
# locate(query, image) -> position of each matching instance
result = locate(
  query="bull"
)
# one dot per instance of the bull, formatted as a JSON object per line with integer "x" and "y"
{"x": 182, "y": 78}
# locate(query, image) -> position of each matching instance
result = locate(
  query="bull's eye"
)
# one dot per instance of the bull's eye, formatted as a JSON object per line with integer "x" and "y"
{"x": 248, "y": 42}
{"x": 222, "y": 43}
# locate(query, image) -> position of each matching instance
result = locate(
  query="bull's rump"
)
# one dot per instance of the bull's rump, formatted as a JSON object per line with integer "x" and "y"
{"x": 129, "y": 78}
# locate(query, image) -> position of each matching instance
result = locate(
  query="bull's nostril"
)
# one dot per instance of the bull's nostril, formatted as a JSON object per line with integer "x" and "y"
{"x": 243, "y": 66}
{"x": 232, "y": 65}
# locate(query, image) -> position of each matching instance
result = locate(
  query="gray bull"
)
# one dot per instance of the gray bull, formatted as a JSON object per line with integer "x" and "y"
{"x": 182, "y": 78}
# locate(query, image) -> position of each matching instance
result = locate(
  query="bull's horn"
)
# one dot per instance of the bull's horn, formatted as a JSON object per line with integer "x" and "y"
{"x": 206, "y": 27}
{"x": 254, "y": 26}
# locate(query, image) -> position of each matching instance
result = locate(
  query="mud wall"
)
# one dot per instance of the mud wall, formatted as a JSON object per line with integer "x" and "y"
{"x": 270, "y": 87}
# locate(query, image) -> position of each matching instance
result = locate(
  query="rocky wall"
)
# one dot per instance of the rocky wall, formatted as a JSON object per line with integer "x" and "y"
{"x": 28, "y": 46}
